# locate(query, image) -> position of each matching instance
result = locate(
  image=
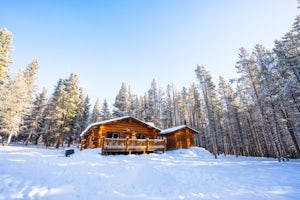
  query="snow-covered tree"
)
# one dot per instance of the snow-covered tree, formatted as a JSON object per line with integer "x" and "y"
{"x": 69, "y": 103}
{"x": 249, "y": 67}
{"x": 34, "y": 126}
{"x": 183, "y": 106}
{"x": 137, "y": 104}
{"x": 232, "y": 126}
{"x": 61, "y": 112}
{"x": 30, "y": 74}
{"x": 195, "y": 113}
{"x": 169, "y": 117}
{"x": 195, "y": 108}
{"x": 130, "y": 103}
{"x": 17, "y": 100}
{"x": 12, "y": 108}
{"x": 105, "y": 112}
{"x": 5, "y": 64}
{"x": 287, "y": 51}
{"x": 5, "y": 55}
{"x": 81, "y": 119}
{"x": 122, "y": 103}
{"x": 155, "y": 101}
{"x": 96, "y": 112}
{"x": 53, "y": 115}
{"x": 213, "y": 133}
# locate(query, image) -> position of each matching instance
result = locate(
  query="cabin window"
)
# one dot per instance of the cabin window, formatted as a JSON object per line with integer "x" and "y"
{"x": 112, "y": 135}
{"x": 141, "y": 136}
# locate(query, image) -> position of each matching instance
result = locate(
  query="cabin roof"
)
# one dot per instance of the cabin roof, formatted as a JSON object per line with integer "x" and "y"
{"x": 115, "y": 119}
{"x": 176, "y": 128}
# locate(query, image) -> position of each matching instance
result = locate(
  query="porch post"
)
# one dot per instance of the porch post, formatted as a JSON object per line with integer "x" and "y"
{"x": 127, "y": 143}
{"x": 102, "y": 145}
{"x": 147, "y": 144}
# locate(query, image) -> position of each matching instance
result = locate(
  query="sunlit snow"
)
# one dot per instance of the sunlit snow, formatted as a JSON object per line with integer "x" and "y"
{"x": 38, "y": 173}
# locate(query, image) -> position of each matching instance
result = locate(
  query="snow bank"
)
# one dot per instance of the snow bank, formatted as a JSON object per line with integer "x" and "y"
{"x": 191, "y": 152}
{"x": 37, "y": 173}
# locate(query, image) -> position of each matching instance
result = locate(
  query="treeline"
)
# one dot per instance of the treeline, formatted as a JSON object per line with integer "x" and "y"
{"x": 255, "y": 114}
{"x": 30, "y": 117}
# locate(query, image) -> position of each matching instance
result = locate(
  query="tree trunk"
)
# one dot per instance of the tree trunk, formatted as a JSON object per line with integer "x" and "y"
{"x": 28, "y": 139}
{"x": 59, "y": 140}
{"x": 47, "y": 141}
{"x": 69, "y": 141}
{"x": 36, "y": 141}
{"x": 290, "y": 129}
{"x": 9, "y": 139}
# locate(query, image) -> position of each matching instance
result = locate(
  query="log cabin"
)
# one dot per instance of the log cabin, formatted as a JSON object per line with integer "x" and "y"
{"x": 124, "y": 134}
{"x": 128, "y": 134}
{"x": 179, "y": 137}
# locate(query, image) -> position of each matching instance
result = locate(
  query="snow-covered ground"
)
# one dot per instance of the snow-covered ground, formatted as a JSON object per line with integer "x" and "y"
{"x": 37, "y": 173}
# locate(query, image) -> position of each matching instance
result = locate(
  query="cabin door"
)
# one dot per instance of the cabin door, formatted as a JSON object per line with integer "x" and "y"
{"x": 184, "y": 139}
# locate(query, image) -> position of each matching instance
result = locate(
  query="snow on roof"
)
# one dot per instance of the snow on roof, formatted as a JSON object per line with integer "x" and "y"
{"x": 150, "y": 123}
{"x": 112, "y": 120}
{"x": 173, "y": 129}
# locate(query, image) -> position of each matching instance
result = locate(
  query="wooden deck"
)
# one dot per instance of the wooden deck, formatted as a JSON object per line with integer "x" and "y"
{"x": 118, "y": 145}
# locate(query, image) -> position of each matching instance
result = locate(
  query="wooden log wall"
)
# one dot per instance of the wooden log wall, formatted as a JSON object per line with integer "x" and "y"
{"x": 128, "y": 128}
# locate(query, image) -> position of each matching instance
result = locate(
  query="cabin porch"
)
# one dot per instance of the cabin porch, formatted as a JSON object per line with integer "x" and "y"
{"x": 126, "y": 145}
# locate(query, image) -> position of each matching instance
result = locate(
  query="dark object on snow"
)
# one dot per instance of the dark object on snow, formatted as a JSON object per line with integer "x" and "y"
{"x": 69, "y": 152}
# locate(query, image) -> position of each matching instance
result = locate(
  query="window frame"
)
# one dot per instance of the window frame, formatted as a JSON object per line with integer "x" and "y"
{"x": 141, "y": 136}
{"x": 112, "y": 135}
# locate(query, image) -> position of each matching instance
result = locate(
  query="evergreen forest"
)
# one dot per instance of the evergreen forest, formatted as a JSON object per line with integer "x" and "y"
{"x": 256, "y": 113}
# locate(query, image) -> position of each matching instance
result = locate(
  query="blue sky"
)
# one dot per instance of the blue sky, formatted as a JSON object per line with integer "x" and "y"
{"x": 107, "y": 42}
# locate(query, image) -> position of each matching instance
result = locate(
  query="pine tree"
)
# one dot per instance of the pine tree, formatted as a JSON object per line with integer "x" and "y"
{"x": 145, "y": 106}
{"x": 61, "y": 112}
{"x": 122, "y": 103}
{"x": 176, "y": 99}
{"x": 5, "y": 55}
{"x": 5, "y": 64}
{"x": 83, "y": 122}
{"x": 34, "y": 124}
{"x": 96, "y": 112}
{"x": 105, "y": 112}
{"x": 195, "y": 109}
{"x": 53, "y": 115}
{"x": 69, "y": 103}
{"x": 183, "y": 105}
{"x": 30, "y": 75}
{"x": 234, "y": 133}
{"x": 12, "y": 109}
{"x": 155, "y": 99}
{"x": 249, "y": 69}
{"x": 212, "y": 104}
{"x": 81, "y": 118}
{"x": 288, "y": 69}
{"x": 17, "y": 100}
{"x": 169, "y": 118}
{"x": 138, "y": 108}
{"x": 196, "y": 113}
{"x": 131, "y": 103}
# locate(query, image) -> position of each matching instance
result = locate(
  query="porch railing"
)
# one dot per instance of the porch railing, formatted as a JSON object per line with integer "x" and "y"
{"x": 119, "y": 145}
